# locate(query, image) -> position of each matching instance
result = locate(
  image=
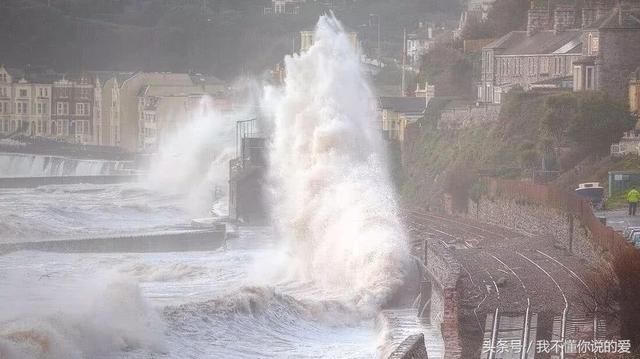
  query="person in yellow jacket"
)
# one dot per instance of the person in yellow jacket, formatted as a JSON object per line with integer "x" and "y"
{"x": 633, "y": 197}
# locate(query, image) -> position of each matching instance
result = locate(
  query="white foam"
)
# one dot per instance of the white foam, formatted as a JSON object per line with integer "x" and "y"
{"x": 333, "y": 200}
{"x": 86, "y": 319}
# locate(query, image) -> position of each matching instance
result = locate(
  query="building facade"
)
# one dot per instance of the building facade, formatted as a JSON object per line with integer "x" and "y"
{"x": 284, "y": 7}
{"x": 595, "y": 49}
{"x": 46, "y": 104}
{"x": 630, "y": 142}
{"x": 611, "y": 52}
{"x": 306, "y": 39}
{"x": 76, "y": 109}
{"x": 25, "y": 107}
{"x": 396, "y": 113}
{"x": 537, "y": 57}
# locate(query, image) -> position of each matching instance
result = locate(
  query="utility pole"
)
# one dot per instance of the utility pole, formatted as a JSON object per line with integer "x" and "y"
{"x": 379, "y": 49}
{"x": 404, "y": 60}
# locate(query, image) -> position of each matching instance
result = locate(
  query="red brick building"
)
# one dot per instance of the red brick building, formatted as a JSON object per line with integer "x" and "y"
{"x": 75, "y": 112}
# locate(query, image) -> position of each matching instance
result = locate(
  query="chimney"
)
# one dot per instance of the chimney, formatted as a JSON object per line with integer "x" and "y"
{"x": 564, "y": 17}
{"x": 619, "y": 13}
{"x": 537, "y": 20}
{"x": 596, "y": 9}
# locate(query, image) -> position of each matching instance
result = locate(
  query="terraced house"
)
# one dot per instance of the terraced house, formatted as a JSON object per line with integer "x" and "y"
{"x": 24, "y": 106}
{"x": 537, "y": 57}
{"x": 596, "y": 49}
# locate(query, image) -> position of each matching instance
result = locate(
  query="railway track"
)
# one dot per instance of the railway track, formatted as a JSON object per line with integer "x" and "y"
{"x": 461, "y": 234}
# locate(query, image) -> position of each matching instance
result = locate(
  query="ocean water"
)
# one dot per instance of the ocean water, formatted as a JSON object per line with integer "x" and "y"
{"x": 316, "y": 284}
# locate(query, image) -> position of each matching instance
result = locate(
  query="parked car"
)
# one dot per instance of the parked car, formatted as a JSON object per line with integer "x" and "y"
{"x": 593, "y": 192}
{"x": 635, "y": 239}
{"x": 629, "y": 231}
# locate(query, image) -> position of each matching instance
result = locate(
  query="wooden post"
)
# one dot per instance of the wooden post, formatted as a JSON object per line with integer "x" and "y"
{"x": 570, "y": 233}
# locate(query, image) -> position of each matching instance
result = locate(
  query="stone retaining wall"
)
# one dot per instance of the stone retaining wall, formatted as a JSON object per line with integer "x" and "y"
{"x": 466, "y": 117}
{"x": 535, "y": 220}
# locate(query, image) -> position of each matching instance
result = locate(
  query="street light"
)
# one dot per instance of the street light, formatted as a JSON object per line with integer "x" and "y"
{"x": 378, "y": 22}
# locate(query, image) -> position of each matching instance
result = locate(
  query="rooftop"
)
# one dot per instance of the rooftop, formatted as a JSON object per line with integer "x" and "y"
{"x": 543, "y": 42}
{"x": 403, "y": 104}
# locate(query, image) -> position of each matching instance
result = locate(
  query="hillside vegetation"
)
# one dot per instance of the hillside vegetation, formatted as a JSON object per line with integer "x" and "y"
{"x": 525, "y": 139}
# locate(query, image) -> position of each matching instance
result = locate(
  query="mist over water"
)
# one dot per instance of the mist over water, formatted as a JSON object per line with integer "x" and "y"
{"x": 332, "y": 196}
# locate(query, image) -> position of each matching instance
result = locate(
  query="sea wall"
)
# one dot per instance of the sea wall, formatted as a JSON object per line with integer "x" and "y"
{"x": 30, "y": 182}
{"x": 440, "y": 297}
{"x": 411, "y": 348}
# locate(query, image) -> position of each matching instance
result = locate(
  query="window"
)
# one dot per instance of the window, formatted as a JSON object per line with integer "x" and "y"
{"x": 79, "y": 127}
{"x": 43, "y": 92}
{"x": 577, "y": 80}
{"x": 593, "y": 44}
{"x": 63, "y": 127}
{"x": 84, "y": 93}
{"x": 4, "y": 92}
{"x": 82, "y": 109}
{"x": 62, "y": 108}
{"x": 39, "y": 108}
{"x": 21, "y": 108}
{"x": 590, "y": 79}
{"x": 23, "y": 92}
{"x": 45, "y": 108}
{"x": 544, "y": 65}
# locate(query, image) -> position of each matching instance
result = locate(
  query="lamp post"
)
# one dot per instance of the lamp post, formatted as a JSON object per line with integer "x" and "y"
{"x": 378, "y": 23}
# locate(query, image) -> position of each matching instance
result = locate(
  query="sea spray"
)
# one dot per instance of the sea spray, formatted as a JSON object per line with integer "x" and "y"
{"x": 193, "y": 160}
{"x": 332, "y": 196}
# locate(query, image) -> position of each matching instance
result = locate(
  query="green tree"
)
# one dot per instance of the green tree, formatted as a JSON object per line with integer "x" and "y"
{"x": 599, "y": 122}
{"x": 592, "y": 120}
{"x": 559, "y": 109}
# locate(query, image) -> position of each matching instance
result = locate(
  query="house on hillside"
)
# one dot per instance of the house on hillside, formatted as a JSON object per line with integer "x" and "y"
{"x": 630, "y": 142}
{"x": 474, "y": 10}
{"x": 594, "y": 50}
{"x": 422, "y": 39}
{"x": 398, "y": 112}
{"x": 284, "y": 7}
{"x": 536, "y": 57}
{"x": 610, "y": 54}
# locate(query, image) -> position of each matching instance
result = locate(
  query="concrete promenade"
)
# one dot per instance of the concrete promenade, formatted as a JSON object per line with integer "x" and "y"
{"x": 30, "y": 182}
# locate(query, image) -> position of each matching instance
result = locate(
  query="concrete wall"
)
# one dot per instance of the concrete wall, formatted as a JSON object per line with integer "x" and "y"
{"x": 411, "y": 348}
